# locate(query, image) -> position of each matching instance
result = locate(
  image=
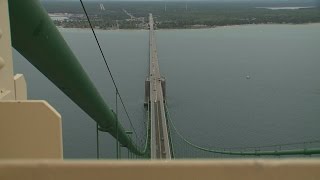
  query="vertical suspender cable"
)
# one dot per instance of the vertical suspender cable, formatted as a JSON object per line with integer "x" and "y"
{"x": 117, "y": 142}
{"x": 98, "y": 144}
{"x": 109, "y": 70}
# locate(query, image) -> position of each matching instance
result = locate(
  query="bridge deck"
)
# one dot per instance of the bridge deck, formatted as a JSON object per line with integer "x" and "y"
{"x": 160, "y": 148}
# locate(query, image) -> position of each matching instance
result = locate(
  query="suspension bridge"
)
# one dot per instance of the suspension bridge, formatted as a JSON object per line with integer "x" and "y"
{"x": 162, "y": 145}
{"x": 31, "y": 134}
{"x": 155, "y": 86}
{"x": 165, "y": 137}
{"x": 162, "y": 139}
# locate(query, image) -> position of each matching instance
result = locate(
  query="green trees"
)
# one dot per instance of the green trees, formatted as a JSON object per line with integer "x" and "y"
{"x": 183, "y": 14}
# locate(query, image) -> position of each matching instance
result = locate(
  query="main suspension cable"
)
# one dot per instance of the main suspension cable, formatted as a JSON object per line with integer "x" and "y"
{"x": 109, "y": 69}
{"x": 303, "y": 151}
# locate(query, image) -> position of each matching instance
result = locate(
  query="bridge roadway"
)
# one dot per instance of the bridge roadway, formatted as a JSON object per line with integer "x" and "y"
{"x": 160, "y": 148}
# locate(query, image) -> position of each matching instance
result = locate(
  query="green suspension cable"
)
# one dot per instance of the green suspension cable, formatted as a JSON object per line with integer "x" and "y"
{"x": 304, "y": 151}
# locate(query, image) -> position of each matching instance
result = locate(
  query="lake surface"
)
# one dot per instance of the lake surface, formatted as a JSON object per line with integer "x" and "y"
{"x": 226, "y": 87}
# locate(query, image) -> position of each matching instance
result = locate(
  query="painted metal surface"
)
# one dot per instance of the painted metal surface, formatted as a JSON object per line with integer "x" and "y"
{"x": 6, "y": 68}
{"x": 160, "y": 170}
{"x": 30, "y": 129}
{"x": 35, "y": 36}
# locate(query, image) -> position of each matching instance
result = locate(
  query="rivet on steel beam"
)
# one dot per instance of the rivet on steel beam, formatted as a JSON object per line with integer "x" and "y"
{"x": 2, "y": 63}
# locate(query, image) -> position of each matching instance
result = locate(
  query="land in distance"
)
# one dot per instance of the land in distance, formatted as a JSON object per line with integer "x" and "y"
{"x": 179, "y": 15}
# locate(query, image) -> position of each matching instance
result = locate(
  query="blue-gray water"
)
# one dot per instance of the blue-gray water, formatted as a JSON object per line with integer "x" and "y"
{"x": 211, "y": 100}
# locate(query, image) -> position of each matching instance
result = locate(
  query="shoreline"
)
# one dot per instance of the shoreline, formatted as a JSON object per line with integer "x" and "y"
{"x": 175, "y": 29}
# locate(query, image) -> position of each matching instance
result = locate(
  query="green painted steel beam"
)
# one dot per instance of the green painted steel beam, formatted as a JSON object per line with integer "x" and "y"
{"x": 35, "y": 36}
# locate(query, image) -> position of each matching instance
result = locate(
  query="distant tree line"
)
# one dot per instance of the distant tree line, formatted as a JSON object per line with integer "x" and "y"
{"x": 183, "y": 14}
